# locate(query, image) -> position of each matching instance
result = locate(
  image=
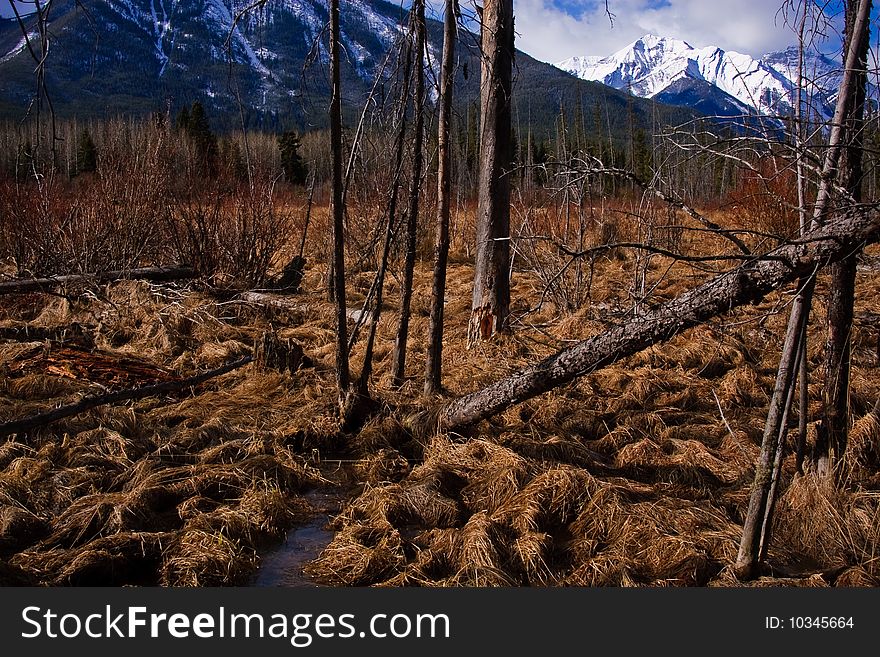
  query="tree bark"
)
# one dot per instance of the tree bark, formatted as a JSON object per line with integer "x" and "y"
{"x": 491, "y": 296}
{"x": 343, "y": 378}
{"x": 748, "y": 283}
{"x": 433, "y": 365}
{"x": 398, "y": 366}
{"x": 841, "y": 298}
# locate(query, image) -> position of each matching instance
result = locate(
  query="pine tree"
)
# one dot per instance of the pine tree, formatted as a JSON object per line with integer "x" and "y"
{"x": 86, "y": 153}
{"x": 295, "y": 171}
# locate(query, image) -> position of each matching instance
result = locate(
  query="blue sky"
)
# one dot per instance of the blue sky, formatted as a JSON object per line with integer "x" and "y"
{"x": 552, "y": 30}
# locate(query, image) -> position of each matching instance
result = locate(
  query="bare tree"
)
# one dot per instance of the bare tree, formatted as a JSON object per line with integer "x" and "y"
{"x": 755, "y": 538}
{"x": 398, "y": 367}
{"x": 832, "y": 436}
{"x": 491, "y": 296}
{"x": 342, "y": 367}
{"x": 433, "y": 365}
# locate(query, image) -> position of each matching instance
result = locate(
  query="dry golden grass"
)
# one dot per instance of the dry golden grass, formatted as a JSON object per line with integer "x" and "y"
{"x": 636, "y": 475}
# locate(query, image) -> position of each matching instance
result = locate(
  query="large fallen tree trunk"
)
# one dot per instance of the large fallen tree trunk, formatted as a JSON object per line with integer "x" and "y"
{"x": 747, "y": 283}
{"x": 155, "y": 274}
{"x": 41, "y": 419}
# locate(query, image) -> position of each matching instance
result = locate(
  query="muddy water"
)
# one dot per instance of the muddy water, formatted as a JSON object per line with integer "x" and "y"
{"x": 283, "y": 566}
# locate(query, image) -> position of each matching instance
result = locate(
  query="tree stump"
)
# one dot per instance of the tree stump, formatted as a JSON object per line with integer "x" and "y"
{"x": 273, "y": 353}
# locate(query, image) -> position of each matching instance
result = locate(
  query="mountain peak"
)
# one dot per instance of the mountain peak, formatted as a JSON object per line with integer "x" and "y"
{"x": 652, "y": 41}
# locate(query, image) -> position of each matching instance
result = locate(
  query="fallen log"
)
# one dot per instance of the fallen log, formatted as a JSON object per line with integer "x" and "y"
{"x": 87, "y": 403}
{"x": 747, "y": 283}
{"x": 154, "y": 274}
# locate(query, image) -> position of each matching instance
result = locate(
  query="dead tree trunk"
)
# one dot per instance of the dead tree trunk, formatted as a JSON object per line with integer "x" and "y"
{"x": 398, "y": 366}
{"x": 748, "y": 283}
{"x": 760, "y": 502}
{"x": 342, "y": 369}
{"x": 433, "y": 365}
{"x": 833, "y": 433}
{"x": 390, "y": 229}
{"x": 491, "y": 297}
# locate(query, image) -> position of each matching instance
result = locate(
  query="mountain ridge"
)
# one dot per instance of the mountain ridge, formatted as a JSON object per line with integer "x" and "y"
{"x": 141, "y": 56}
{"x": 651, "y": 66}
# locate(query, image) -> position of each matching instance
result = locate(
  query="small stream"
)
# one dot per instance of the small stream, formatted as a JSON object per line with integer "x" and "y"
{"x": 283, "y": 565}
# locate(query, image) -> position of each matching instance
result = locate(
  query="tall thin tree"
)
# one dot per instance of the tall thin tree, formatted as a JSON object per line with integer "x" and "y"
{"x": 759, "y": 515}
{"x": 433, "y": 365}
{"x": 491, "y": 295}
{"x": 832, "y": 435}
{"x": 398, "y": 366}
{"x": 343, "y": 378}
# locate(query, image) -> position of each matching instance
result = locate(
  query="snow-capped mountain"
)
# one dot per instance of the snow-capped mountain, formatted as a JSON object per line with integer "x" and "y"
{"x": 127, "y": 53}
{"x": 716, "y": 81}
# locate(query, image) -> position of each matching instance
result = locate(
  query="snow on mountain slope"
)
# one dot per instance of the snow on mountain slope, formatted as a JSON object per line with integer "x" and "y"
{"x": 650, "y": 65}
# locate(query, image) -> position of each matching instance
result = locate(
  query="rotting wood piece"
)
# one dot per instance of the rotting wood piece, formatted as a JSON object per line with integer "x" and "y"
{"x": 95, "y": 367}
{"x": 154, "y": 274}
{"x": 87, "y": 403}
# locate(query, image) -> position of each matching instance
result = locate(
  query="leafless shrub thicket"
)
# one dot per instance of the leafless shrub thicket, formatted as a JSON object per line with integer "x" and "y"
{"x": 149, "y": 201}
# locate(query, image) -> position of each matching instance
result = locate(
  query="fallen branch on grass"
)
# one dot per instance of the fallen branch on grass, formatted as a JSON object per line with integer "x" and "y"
{"x": 87, "y": 403}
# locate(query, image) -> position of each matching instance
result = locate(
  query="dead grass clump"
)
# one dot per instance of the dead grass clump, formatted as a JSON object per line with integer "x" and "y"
{"x": 702, "y": 351}
{"x": 201, "y": 558}
{"x": 863, "y": 447}
{"x": 20, "y": 479}
{"x": 213, "y": 432}
{"x": 98, "y": 515}
{"x": 34, "y": 387}
{"x": 602, "y": 570}
{"x": 385, "y": 465}
{"x": 531, "y": 552}
{"x": 549, "y": 501}
{"x": 195, "y": 506}
{"x": 820, "y": 522}
{"x": 19, "y": 528}
{"x": 359, "y": 555}
{"x": 272, "y": 513}
{"x": 225, "y": 481}
{"x": 418, "y": 504}
{"x": 480, "y": 549}
{"x": 105, "y": 444}
{"x": 11, "y": 450}
{"x": 692, "y": 453}
{"x": 856, "y": 576}
{"x": 552, "y": 448}
{"x": 380, "y": 432}
{"x": 740, "y": 387}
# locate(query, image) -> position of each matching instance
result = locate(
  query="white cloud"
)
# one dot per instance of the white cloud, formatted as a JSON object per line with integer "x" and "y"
{"x": 550, "y": 34}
